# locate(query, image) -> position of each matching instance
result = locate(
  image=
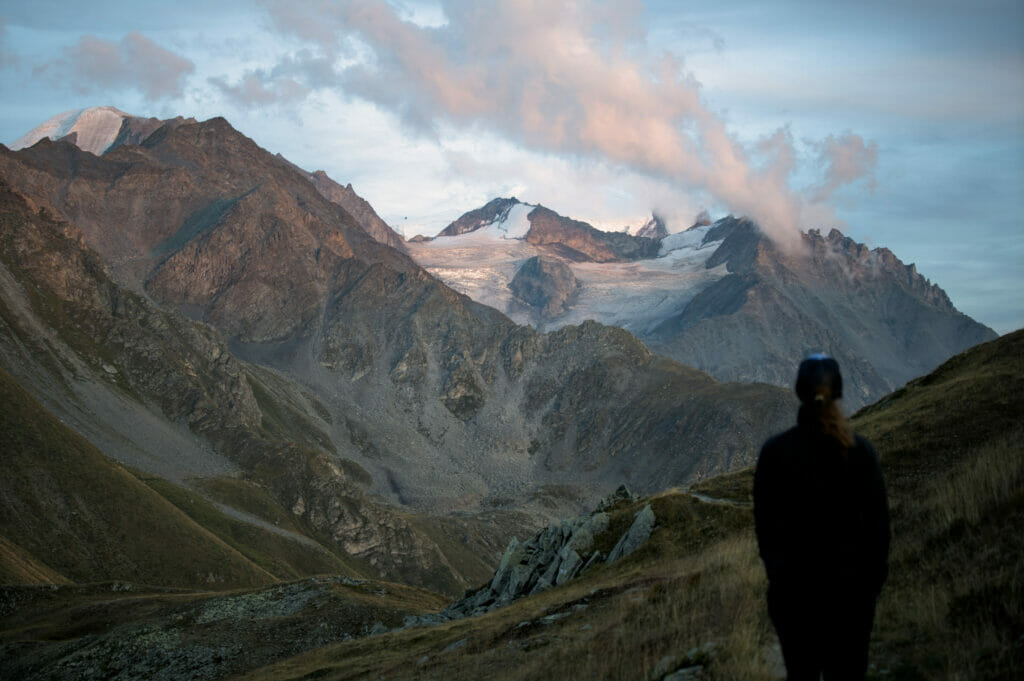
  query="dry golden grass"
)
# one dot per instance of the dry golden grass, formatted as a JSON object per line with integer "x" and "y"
{"x": 954, "y": 608}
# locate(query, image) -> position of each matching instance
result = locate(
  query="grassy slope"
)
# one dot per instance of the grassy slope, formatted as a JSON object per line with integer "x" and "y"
{"x": 283, "y": 557}
{"x": 953, "y": 452}
{"x": 69, "y": 513}
{"x": 951, "y": 449}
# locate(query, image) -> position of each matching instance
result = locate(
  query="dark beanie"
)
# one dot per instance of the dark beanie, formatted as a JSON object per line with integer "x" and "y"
{"x": 815, "y": 371}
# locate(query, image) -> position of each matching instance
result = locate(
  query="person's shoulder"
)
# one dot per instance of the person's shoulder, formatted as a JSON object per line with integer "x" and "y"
{"x": 778, "y": 443}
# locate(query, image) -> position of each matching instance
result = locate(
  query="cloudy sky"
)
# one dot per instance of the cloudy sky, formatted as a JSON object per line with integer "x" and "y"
{"x": 899, "y": 122}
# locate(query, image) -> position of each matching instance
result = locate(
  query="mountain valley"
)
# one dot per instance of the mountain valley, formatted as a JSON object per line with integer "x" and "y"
{"x": 241, "y": 411}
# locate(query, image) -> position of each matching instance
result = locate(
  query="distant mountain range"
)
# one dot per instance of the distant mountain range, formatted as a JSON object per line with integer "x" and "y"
{"x": 720, "y": 297}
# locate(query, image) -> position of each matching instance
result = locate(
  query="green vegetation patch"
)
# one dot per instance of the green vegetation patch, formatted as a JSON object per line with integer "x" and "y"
{"x": 85, "y": 518}
{"x": 282, "y": 556}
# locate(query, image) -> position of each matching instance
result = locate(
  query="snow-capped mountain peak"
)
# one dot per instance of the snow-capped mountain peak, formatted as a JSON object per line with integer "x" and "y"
{"x": 513, "y": 223}
{"x": 95, "y": 128}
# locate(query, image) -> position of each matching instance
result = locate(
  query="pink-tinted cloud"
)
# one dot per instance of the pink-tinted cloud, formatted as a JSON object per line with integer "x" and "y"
{"x": 845, "y": 160}
{"x": 571, "y": 78}
{"x": 136, "y": 62}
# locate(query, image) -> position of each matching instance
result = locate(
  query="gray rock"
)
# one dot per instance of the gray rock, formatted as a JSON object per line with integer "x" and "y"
{"x": 553, "y": 556}
{"x": 569, "y": 568}
{"x": 455, "y": 646}
{"x": 637, "y": 534}
{"x": 546, "y": 285}
{"x": 687, "y": 674}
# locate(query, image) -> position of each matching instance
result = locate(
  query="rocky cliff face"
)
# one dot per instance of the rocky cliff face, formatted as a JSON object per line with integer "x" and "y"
{"x": 654, "y": 228}
{"x": 883, "y": 321}
{"x": 579, "y": 241}
{"x": 545, "y": 285}
{"x": 492, "y": 211}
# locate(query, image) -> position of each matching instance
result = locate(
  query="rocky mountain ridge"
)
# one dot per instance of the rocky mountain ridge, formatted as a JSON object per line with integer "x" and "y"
{"x": 884, "y": 322}
{"x": 719, "y": 296}
{"x": 570, "y": 239}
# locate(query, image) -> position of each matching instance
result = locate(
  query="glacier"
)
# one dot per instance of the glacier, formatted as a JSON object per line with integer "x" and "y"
{"x": 635, "y": 295}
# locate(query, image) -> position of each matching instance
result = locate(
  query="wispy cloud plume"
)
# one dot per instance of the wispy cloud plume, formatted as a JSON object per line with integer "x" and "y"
{"x": 845, "y": 160}
{"x": 571, "y": 78}
{"x": 136, "y": 62}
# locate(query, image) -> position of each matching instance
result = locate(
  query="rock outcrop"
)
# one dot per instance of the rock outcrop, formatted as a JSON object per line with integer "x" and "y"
{"x": 357, "y": 207}
{"x": 654, "y": 228}
{"x": 553, "y": 556}
{"x": 579, "y": 241}
{"x": 546, "y": 285}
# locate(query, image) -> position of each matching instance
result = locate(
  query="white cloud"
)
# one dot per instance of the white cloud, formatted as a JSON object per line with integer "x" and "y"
{"x": 574, "y": 80}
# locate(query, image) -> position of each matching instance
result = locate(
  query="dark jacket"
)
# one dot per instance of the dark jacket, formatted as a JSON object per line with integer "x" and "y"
{"x": 822, "y": 518}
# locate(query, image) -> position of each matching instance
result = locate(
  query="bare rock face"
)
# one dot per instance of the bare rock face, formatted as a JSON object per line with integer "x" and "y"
{"x": 564, "y": 237}
{"x": 358, "y": 208}
{"x": 135, "y": 130}
{"x": 553, "y": 556}
{"x": 654, "y": 228}
{"x": 546, "y": 285}
{"x": 132, "y": 377}
{"x": 580, "y": 241}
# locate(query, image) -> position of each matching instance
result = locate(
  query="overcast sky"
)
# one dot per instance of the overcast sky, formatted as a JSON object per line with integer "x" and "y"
{"x": 899, "y": 122}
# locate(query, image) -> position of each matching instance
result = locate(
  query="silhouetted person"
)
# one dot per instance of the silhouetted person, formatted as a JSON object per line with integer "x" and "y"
{"x": 822, "y": 524}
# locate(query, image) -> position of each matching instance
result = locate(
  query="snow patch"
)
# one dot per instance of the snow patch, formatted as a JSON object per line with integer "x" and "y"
{"x": 514, "y": 224}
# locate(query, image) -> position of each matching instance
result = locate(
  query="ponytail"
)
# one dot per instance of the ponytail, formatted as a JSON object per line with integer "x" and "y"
{"x": 824, "y": 411}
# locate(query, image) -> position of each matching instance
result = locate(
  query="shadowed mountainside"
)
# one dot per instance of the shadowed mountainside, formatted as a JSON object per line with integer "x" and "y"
{"x": 690, "y": 602}
{"x": 446, "y": 404}
{"x": 164, "y": 395}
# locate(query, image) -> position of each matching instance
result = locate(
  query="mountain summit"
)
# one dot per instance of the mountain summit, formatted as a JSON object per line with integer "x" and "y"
{"x": 95, "y": 129}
